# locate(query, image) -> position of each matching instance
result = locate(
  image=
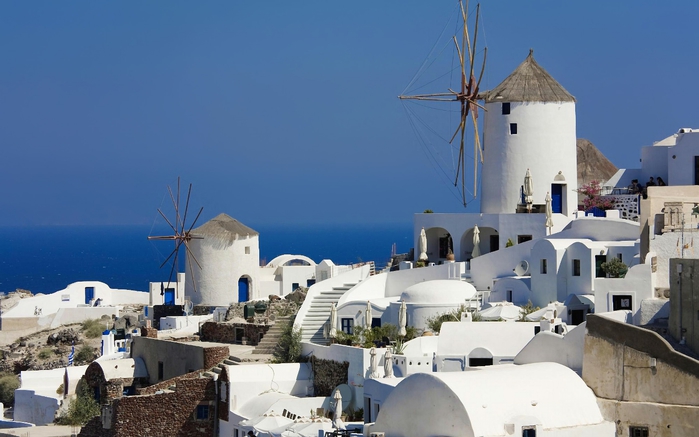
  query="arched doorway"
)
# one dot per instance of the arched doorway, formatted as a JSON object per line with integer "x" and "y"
{"x": 489, "y": 241}
{"x": 243, "y": 289}
{"x": 439, "y": 244}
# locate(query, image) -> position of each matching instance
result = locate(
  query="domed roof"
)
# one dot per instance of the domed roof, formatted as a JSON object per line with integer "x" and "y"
{"x": 529, "y": 83}
{"x": 446, "y": 291}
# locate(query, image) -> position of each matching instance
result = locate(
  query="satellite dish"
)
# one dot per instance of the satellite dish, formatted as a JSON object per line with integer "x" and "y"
{"x": 346, "y": 392}
{"x": 522, "y": 268}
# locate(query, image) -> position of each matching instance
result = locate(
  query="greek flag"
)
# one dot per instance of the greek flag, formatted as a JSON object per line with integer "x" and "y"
{"x": 71, "y": 355}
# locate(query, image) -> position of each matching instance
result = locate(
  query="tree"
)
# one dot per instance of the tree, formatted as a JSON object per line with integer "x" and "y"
{"x": 83, "y": 408}
{"x": 288, "y": 349}
{"x": 8, "y": 384}
{"x": 615, "y": 268}
{"x": 593, "y": 197}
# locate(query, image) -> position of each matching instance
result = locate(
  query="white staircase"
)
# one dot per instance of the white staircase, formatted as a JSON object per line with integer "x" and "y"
{"x": 319, "y": 313}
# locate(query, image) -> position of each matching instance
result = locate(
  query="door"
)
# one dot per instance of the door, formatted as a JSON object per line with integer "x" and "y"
{"x": 243, "y": 285}
{"x": 494, "y": 242}
{"x": 89, "y": 294}
{"x": 557, "y": 198}
{"x": 577, "y": 317}
{"x": 169, "y": 296}
{"x": 599, "y": 260}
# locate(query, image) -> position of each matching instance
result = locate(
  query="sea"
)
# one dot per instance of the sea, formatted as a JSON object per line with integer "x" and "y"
{"x": 47, "y": 259}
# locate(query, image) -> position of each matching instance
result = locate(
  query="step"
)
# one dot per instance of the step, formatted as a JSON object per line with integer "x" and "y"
{"x": 229, "y": 362}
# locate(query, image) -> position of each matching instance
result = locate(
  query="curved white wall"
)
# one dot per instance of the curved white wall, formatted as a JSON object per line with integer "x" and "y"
{"x": 544, "y": 143}
{"x": 221, "y": 267}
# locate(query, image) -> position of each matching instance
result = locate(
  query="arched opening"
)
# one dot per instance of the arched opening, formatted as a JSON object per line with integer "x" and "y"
{"x": 244, "y": 288}
{"x": 480, "y": 357}
{"x": 439, "y": 244}
{"x": 489, "y": 242}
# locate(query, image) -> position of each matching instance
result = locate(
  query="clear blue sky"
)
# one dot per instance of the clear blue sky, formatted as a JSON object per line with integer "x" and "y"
{"x": 287, "y": 111}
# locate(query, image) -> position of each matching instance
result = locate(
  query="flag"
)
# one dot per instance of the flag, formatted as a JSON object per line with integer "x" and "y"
{"x": 71, "y": 355}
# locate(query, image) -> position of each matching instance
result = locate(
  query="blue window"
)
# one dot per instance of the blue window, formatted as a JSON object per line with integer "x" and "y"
{"x": 347, "y": 325}
{"x": 202, "y": 412}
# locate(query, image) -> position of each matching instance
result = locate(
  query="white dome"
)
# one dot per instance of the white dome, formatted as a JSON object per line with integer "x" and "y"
{"x": 442, "y": 291}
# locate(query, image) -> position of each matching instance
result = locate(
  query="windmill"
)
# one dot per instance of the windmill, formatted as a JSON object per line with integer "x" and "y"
{"x": 467, "y": 97}
{"x": 181, "y": 233}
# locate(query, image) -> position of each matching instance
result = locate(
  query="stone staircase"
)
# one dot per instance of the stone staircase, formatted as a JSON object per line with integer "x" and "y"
{"x": 271, "y": 338}
{"x": 319, "y": 313}
{"x": 216, "y": 370}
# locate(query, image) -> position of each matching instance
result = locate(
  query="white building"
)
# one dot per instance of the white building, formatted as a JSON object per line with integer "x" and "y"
{"x": 527, "y": 400}
{"x": 226, "y": 269}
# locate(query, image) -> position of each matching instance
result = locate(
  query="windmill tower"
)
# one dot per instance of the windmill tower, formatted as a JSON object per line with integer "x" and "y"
{"x": 529, "y": 124}
{"x": 229, "y": 257}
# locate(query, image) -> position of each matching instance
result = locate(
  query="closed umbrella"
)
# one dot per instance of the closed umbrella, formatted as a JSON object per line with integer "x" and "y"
{"x": 423, "y": 246}
{"x": 476, "y": 241}
{"x": 333, "y": 321}
{"x": 337, "y": 417}
{"x": 528, "y": 190}
{"x": 549, "y": 213}
{"x": 373, "y": 363}
{"x": 367, "y": 316}
{"x": 402, "y": 319}
{"x": 388, "y": 364}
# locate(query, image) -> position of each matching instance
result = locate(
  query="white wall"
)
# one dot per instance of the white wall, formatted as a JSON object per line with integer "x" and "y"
{"x": 545, "y": 143}
{"x": 178, "y": 284}
{"x": 499, "y": 264}
{"x": 36, "y": 401}
{"x": 550, "y": 347}
{"x": 681, "y": 159}
{"x": 221, "y": 267}
{"x": 638, "y": 283}
{"x": 519, "y": 286}
{"x": 248, "y": 382}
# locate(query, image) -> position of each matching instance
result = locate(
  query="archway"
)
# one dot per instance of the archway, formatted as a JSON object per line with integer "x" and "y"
{"x": 490, "y": 242}
{"x": 439, "y": 244}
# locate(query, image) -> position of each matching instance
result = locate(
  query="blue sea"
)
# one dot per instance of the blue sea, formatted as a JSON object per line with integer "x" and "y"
{"x": 47, "y": 259}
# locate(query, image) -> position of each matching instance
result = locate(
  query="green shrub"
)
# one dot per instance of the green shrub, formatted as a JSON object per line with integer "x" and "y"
{"x": 288, "y": 349}
{"x": 45, "y": 353}
{"x": 509, "y": 243}
{"x": 93, "y": 328}
{"x": 83, "y": 408}
{"x": 615, "y": 268}
{"x": 9, "y": 382}
{"x": 85, "y": 354}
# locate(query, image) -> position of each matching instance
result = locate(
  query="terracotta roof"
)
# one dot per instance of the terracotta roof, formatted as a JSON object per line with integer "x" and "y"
{"x": 529, "y": 83}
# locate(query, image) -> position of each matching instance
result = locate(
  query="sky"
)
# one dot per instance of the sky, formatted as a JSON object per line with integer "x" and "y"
{"x": 286, "y": 112}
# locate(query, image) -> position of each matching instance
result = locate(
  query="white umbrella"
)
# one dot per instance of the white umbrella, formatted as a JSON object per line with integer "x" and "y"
{"x": 547, "y": 312}
{"x": 423, "y": 246}
{"x": 373, "y": 363}
{"x": 367, "y": 315}
{"x": 549, "y": 213}
{"x": 506, "y": 311}
{"x": 267, "y": 422}
{"x": 309, "y": 429}
{"x": 337, "y": 416}
{"x": 388, "y": 364}
{"x": 333, "y": 321}
{"x": 476, "y": 241}
{"x": 402, "y": 319}
{"x": 528, "y": 190}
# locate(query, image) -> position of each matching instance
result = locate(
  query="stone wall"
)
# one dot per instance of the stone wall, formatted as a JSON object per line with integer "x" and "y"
{"x": 214, "y": 355}
{"x": 225, "y": 389}
{"x": 226, "y": 332}
{"x": 166, "y": 414}
{"x": 640, "y": 380}
{"x": 149, "y": 332}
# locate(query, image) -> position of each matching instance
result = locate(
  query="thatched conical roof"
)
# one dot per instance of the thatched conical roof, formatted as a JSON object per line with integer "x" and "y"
{"x": 529, "y": 83}
{"x": 224, "y": 228}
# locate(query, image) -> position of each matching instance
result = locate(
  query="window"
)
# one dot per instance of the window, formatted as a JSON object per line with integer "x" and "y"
{"x": 505, "y": 108}
{"x": 509, "y": 295}
{"x": 523, "y": 238}
{"x": 247, "y": 250}
{"x": 376, "y": 322}
{"x": 235, "y": 433}
{"x": 480, "y": 362}
{"x": 622, "y": 302}
{"x": 310, "y": 282}
{"x": 576, "y": 267}
{"x": 160, "y": 371}
{"x": 618, "y": 255}
{"x": 513, "y": 128}
{"x": 544, "y": 266}
{"x": 347, "y": 325}
{"x": 528, "y": 431}
{"x": 65, "y": 297}
{"x": 294, "y": 286}
{"x": 202, "y": 412}
{"x": 638, "y": 431}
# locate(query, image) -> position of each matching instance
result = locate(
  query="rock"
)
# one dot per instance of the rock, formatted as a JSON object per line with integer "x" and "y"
{"x": 274, "y": 298}
{"x": 298, "y": 296}
{"x": 126, "y": 321}
{"x": 65, "y": 336}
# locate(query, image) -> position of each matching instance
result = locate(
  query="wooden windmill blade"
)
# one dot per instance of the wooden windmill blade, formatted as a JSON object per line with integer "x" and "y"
{"x": 467, "y": 96}
{"x": 180, "y": 236}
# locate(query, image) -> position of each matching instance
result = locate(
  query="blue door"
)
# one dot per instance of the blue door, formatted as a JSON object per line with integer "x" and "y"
{"x": 169, "y": 296}
{"x": 557, "y": 198}
{"x": 89, "y": 294}
{"x": 243, "y": 286}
